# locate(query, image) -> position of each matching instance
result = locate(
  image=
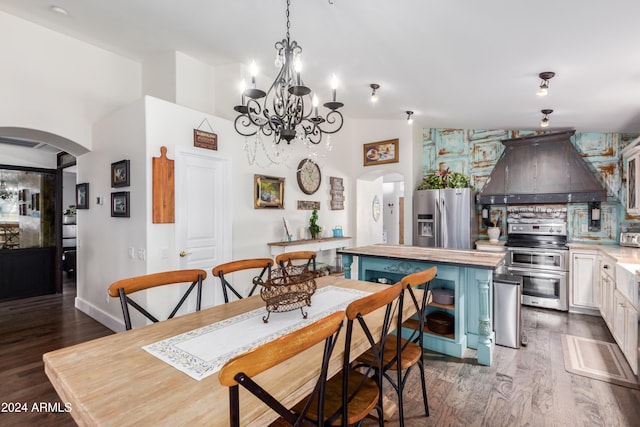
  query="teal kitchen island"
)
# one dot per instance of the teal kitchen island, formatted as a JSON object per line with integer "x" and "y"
{"x": 468, "y": 273}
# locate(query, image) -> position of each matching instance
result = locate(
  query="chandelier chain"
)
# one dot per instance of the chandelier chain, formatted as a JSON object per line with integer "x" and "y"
{"x": 288, "y": 21}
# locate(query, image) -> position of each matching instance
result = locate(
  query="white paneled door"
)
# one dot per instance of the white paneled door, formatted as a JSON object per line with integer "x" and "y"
{"x": 203, "y": 214}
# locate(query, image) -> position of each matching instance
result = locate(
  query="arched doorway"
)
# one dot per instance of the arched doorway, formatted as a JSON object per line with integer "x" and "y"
{"x": 34, "y": 150}
{"x": 380, "y": 210}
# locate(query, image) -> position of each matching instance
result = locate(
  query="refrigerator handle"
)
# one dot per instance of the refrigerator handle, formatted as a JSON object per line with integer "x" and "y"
{"x": 443, "y": 224}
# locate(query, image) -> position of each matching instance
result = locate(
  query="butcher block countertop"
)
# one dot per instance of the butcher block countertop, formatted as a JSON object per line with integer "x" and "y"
{"x": 470, "y": 258}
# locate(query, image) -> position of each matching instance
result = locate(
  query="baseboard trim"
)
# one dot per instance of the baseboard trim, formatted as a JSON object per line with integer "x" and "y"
{"x": 99, "y": 315}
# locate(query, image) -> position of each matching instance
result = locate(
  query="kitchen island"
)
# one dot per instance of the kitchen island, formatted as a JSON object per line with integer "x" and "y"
{"x": 468, "y": 273}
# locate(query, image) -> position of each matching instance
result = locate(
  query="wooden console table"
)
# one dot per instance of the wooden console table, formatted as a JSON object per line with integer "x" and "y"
{"x": 315, "y": 245}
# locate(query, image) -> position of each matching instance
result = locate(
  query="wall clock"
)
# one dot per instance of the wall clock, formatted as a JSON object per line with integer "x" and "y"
{"x": 309, "y": 176}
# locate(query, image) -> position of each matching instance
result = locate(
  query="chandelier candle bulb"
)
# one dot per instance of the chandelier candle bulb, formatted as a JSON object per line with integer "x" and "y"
{"x": 334, "y": 86}
{"x": 254, "y": 73}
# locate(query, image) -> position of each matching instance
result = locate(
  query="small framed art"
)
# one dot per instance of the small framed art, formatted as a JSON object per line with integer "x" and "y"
{"x": 377, "y": 153}
{"x": 269, "y": 192}
{"x": 120, "y": 174}
{"x": 120, "y": 204}
{"x": 82, "y": 196}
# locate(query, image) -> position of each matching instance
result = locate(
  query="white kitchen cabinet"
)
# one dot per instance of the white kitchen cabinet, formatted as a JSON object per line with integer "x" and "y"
{"x": 625, "y": 328}
{"x": 585, "y": 286}
{"x": 607, "y": 279}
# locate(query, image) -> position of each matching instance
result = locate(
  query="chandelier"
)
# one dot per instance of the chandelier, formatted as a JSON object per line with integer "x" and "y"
{"x": 288, "y": 110}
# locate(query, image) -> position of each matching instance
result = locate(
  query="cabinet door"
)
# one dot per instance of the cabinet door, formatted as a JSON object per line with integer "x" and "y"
{"x": 631, "y": 336}
{"x": 619, "y": 321}
{"x": 585, "y": 290}
{"x": 606, "y": 300}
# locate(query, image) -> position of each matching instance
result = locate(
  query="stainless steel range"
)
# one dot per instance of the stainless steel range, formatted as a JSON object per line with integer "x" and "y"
{"x": 537, "y": 250}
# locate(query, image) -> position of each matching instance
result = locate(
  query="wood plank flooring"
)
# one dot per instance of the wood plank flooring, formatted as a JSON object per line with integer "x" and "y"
{"x": 524, "y": 387}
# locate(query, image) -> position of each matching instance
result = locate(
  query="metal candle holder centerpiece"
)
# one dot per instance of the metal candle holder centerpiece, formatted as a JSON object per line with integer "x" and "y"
{"x": 289, "y": 288}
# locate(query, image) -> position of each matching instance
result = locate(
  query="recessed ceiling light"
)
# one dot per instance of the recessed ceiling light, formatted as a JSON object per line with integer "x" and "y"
{"x": 59, "y": 10}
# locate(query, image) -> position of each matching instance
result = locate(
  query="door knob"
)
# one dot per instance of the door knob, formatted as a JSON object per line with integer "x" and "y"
{"x": 184, "y": 254}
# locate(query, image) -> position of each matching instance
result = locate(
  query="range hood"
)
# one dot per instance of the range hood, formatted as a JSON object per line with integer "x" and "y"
{"x": 541, "y": 169}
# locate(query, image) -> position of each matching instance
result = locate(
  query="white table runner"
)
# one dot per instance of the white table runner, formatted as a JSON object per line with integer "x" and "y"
{"x": 203, "y": 351}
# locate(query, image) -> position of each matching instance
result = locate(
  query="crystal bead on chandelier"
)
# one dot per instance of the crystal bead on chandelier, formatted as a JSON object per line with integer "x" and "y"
{"x": 281, "y": 113}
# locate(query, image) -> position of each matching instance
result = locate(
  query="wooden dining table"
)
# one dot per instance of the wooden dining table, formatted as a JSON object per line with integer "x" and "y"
{"x": 113, "y": 381}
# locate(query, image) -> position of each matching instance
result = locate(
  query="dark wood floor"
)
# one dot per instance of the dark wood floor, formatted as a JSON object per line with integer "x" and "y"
{"x": 524, "y": 387}
{"x": 28, "y": 329}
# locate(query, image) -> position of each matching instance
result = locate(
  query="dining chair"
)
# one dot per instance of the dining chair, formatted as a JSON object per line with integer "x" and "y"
{"x": 287, "y": 258}
{"x": 243, "y": 369}
{"x": 406, "y": 347}
{"x": 360, "y": 390}
{"x": 222, "y": 270}
{"x": 125, "y": 287}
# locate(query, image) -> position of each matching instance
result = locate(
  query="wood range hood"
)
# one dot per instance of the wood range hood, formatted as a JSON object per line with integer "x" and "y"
{"x": 541, "y": 169}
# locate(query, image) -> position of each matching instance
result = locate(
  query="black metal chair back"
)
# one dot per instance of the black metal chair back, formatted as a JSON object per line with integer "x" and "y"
{"x": 123, "y": 288}
{"x": 221, "y": 271}
{"x": 241, "y": 370}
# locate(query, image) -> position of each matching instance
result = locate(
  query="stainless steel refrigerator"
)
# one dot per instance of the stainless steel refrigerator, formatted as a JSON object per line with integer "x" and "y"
{"x": 445, "y": 218}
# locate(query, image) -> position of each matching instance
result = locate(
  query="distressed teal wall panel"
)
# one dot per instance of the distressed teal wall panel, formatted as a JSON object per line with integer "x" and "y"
{"x": 475, "y": 152}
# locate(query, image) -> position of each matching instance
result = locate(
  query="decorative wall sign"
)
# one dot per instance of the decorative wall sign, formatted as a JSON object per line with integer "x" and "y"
{"x": 377, "y": 153}
{"x": 163, "y": 189}
{"x": 120, "y": 174}
{"x": 308, "y": 205}
{"x": 268, "y": 192}
{"x": 82, "y": 196}
{"x": 337, "y": 193}
{"x": 203, "y": 139}
{"x": 120, "y": 204}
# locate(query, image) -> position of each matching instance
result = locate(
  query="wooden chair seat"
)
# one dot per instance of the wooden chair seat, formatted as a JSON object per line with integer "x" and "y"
{"x": 365, "y": 396}
{"x": 411, "y": 353}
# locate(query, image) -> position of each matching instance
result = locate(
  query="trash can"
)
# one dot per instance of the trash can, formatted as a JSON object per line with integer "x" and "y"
{"x": 507, "y": 319}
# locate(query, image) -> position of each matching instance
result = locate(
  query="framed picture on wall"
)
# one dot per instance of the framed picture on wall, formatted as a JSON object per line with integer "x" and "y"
{"x": 82, "y": 196}
{"x": 269, "y": 192}
{"x": 377, "y": 153}
{"x": 120, "y": 174}
{"x": 120, "y": 204}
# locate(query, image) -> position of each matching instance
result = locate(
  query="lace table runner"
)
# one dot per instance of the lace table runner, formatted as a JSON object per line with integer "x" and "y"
{"x": 203, "y": 351}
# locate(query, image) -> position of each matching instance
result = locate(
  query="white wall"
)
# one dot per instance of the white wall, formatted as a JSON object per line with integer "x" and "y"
{"x": 28, "y": 157}
{"x": 367, "y": 131}
{"x": 59, "y": 84}
{"x": 103, "y": 241}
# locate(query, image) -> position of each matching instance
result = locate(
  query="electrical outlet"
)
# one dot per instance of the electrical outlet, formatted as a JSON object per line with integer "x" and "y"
{"x": 132, "y": 253}
{"x": 584, "y": 228}
{"x": 141, "y": 254}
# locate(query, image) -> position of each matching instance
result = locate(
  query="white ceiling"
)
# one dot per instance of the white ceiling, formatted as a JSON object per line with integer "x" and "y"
{"x": 456, "y": 63}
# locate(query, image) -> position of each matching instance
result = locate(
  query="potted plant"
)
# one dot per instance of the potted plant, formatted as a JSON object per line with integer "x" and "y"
{"x": 314, "y": 228}
{"x": 444, "y": 179}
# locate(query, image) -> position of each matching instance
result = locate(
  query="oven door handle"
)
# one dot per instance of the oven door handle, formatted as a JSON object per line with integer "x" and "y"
{"x": 545, "y": 274}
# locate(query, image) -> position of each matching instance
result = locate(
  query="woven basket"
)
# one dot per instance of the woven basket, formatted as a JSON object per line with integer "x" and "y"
{"x": 289, "y": 288}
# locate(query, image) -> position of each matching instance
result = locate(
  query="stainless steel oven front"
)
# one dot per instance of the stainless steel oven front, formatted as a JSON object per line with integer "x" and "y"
{"x": 545, "y": 259}
{"x": 544, "y": 276}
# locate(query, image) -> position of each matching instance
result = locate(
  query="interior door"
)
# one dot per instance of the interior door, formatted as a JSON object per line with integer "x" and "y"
{"x": 203, "y": 214}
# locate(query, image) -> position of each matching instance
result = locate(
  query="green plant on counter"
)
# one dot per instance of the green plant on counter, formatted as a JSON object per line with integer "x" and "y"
{"x": 314, "y": 228}
{"x": 444, "y": 179}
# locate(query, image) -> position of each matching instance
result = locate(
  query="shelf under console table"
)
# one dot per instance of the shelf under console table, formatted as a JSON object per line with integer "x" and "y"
{"x": 316, "y": 245}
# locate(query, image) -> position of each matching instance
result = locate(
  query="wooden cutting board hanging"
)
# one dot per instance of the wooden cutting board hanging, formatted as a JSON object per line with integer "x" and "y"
{"x": 163, "y": 189}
